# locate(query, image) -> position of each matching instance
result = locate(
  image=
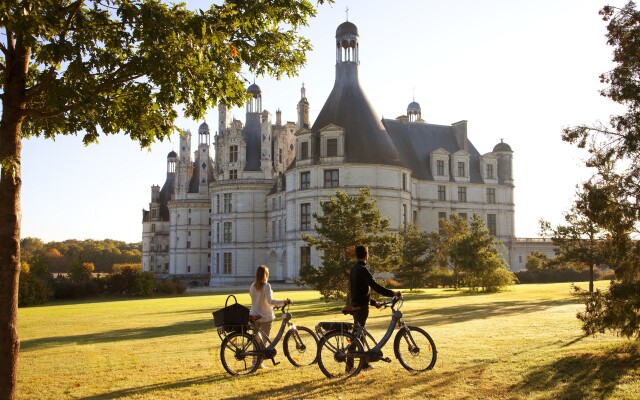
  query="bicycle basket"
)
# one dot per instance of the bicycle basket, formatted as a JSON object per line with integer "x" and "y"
{"x": 234, "y": 317}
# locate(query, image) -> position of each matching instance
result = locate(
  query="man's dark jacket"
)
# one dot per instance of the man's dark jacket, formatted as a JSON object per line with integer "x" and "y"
{"x": 360, "y": 280}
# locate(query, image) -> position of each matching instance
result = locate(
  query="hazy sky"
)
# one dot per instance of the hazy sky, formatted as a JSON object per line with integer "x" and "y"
{"x": 514, "y": 69}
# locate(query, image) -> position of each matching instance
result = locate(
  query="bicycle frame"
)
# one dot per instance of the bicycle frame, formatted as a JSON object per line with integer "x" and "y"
{"x": 360, "y": 332}
{"x": 270, "y": 350}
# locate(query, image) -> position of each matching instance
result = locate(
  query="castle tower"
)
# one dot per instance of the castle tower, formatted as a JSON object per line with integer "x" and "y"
{"x": 366, "y": 140}
{"x": 184, "y": 167}
{"x": 303, "y": 109}
{"x": 224, "y": 118}
{"x": 203, "y": 158}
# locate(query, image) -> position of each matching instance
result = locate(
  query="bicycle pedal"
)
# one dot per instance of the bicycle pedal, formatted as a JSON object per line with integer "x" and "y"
{"x": 386, "y": 359}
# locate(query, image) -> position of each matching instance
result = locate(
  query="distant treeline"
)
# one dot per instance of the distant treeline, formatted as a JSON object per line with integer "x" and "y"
{"x": 57, "y": 256}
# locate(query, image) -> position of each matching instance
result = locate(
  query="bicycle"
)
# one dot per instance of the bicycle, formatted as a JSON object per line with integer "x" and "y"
{"x": 344, "y": 347}
{"x": 242, "y": 352}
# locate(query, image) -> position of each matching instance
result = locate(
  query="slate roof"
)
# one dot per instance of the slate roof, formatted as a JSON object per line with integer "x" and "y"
{"x": 194, "y": 184}
{"x": 251, "y": 134}
{"x": 366, "y": 140}
{"x": 416, "y": 142}
{"x": 166, "y": 193}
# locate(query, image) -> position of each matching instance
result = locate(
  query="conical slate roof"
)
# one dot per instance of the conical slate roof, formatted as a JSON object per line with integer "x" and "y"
{"x": 366, "y": 140}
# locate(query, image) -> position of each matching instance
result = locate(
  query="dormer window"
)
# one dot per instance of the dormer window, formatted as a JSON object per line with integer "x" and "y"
{"x": 489, "y": 168}
{"x": 440, "y": 167}
{"x": 489, "y": 171}
{"x": 332, "y": 147}
{"x": 460, "y": 166}
{"x": 304, "y": 150}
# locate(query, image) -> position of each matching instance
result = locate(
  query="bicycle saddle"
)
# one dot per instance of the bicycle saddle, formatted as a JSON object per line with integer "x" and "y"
{"x": 350, "y": 309}
{"x": 254, "y": 318}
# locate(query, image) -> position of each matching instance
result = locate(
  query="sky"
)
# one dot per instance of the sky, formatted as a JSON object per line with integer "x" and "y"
{"x": 516, "y": 70}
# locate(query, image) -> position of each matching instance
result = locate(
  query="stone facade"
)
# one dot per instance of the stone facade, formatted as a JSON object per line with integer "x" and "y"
{"x": 216, "y": 219}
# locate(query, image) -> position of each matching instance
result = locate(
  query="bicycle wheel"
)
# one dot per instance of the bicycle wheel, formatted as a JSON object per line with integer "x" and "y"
{"x": 336, "y": 356}
{"x": 300, "y": 346}
{"x": 239, "y": 353}
{"x": 415, "y": 349}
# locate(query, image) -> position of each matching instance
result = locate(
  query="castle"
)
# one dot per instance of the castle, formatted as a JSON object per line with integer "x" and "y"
{"x": 247, "y": 198}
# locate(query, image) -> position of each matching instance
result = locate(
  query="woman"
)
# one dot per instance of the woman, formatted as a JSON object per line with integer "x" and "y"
{"x": 262, "y": 302}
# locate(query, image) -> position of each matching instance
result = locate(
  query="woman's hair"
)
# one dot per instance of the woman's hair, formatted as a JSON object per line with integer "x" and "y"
{"x": 262, "y": 274}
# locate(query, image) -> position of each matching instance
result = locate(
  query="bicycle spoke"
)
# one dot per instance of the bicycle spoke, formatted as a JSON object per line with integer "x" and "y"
{"x": 415, "y": 349}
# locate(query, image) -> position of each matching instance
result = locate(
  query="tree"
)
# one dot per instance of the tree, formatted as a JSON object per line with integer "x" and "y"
{"x": 578, "y": 243}
{"x": 477, "y": 254}
{"x": 536, "y": 261}
{"x": 345, "y": 222}
{"x": 79, "y": 271}
{"x": 110, "y": 66}
{"x": 614, "y": 190}
{"x": 416, "y": 260}
{"x": 442, "y": 242}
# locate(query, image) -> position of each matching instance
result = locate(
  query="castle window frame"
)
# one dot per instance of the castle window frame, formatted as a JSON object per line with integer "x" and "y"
{"x": 227, "y": 231}
{"x": 492, "y": 224}
{"x": 228, "y": 201}
{"x": 442, "y": 193}
{"x": 233, "y": 153}
{"x": 462, "y": 194}
{"x": 332, "y": 147}
{"x": 491, "y": 196}
{"x": 227, "y": 263}
{"x": 305, "y": 216}
{"x": 305, "y": 180}
{"x": 331, "y": 178}
{"x": 305, "y": 255}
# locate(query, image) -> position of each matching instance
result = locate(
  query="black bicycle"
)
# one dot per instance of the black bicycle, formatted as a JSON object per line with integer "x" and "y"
{"x": 242, "y": 351}
{"x": 344, "y": 347}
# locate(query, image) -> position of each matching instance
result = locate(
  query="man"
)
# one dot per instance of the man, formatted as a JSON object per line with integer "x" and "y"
{"x": 360, "y": 284}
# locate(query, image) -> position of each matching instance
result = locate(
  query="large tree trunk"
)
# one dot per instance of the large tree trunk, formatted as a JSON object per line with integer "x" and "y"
{"x": 13, "y": 103}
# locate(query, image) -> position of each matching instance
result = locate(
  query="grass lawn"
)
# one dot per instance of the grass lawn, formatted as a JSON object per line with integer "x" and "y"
{"x": 524, "y": 343}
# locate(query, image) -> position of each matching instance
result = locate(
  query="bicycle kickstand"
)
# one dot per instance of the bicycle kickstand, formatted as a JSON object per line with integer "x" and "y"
{"x": 273, "y": 360}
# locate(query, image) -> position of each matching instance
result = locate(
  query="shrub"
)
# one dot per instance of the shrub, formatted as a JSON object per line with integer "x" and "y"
{"x": 170, "y": 286}
{"x": 557, "y": 275}
{"x": 497, "y": 279}
{"x": 440, "y": 277}
{"x": 144, "y": 284}
{"x": 64, "y": 288}
{"x": 32, "y": 290}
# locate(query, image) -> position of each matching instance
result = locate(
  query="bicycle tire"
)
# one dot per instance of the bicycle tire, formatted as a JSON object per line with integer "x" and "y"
{"x": 333, "y": 353}
{"x": 300, "y": 346}
{"x": 415, "y": 349}
{"x": 234, "y": 357}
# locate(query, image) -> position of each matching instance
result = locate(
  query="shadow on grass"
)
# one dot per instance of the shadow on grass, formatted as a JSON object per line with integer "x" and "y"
{"x": 469, "y": 312}
{"x": 581, "y": 376}
{"x": 402, "y": 384}
{"x": 152, "y": 332}
{"x": 150, "y": 389}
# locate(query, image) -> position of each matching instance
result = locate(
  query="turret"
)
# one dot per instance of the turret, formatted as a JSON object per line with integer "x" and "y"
{"x": 505, "y": 162}
{"x": 224, "y": 118}
{"x": 303, "y": 109}
{"x": 184, "y": 165}
{"x": 203, "y": 158}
